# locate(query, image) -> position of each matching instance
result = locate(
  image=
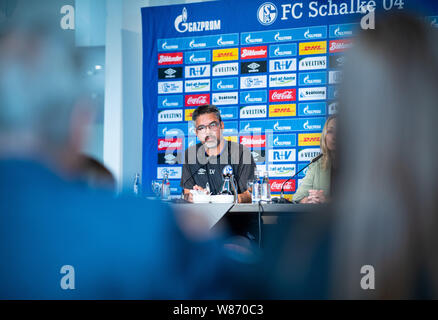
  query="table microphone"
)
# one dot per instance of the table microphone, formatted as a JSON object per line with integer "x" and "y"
{"x": 282, "y": 199}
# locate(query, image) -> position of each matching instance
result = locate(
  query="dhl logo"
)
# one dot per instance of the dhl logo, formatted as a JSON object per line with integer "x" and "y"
{"x": 286, "y": 196}
{"x": 231, "y": 138}
{"x": 225, "y": 54}
{"x": 283, "y": 110}
{"x": 188, "y": 114}
{"x": 319, "y": 47}
{"x": 309, "y": 139}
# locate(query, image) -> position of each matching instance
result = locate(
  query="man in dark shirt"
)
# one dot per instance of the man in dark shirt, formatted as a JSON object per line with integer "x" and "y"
{"x": 206, "y": 162}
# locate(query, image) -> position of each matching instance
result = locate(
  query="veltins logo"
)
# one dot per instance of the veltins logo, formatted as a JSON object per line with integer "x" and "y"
{"x": 181, "y": 24}
{"x": 258, "y": 111}
{"x": 319, "y": 47}
{"x": 309, "y": 139}
{"x": 225, "y": 54}
{"x": 282, "y": 110}
{"x": 267, "y": 13}
{"x": 313, "y": 63}
{"x": 170, "y": 115}
{"x": 308, "y": 154}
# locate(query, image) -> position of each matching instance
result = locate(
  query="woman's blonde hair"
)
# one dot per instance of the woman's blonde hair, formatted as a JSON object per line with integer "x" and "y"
{"x": 327, "y": 157}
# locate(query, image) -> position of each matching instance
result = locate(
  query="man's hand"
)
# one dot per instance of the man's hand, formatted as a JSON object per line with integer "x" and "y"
{"x": 188, "y": 196}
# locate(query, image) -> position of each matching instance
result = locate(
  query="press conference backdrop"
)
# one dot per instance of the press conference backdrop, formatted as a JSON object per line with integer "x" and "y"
{"x": 272, "y": 68}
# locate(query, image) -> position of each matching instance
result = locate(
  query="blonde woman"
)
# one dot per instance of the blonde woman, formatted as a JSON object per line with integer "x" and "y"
{"x": 317, "y": 184}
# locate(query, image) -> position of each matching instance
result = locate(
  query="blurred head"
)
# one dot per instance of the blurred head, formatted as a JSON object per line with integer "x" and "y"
{"x": 95, "y": 174}
{"x": 208, "y": 125}
{"x": 40, "y": 111}
{"x": 388, "y": 158}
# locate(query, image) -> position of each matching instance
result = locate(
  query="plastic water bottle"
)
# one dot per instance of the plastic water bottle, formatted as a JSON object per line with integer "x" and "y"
{"x": 137, "y": 186}
{"x": 256, "y": 188}
{"x": 266, "y": 188}
{"x": 165, "y": 188}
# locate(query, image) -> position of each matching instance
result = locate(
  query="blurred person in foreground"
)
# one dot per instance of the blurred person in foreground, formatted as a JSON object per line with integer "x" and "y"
{"x": 58, "y": 241}
{"x": 384, "y": 212}
{"x": 318, "y": 182}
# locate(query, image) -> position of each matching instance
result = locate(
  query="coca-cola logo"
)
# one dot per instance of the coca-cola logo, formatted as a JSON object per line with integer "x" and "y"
{"x": 282, "y": 95}
{"x": 170, "y": 58}
{"x": 175, "y": 144}
{"x": 197, "y": 100}
{"x": 277, "y": 184}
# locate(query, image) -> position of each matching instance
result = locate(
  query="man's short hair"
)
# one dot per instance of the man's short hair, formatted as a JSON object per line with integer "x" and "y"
{"x": 204, "y": 109}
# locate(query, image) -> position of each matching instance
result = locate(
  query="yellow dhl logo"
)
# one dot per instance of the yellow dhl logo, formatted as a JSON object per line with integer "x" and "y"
{"x": 225, "y": 54}
{"x": 309, "y": 139}
{"x": 283, "y": 110}
{"x": 231, "y": 138}
{"x": 188, "y": 114}
{"x": 318, "y": 47}
{"x": 287, "y": 196}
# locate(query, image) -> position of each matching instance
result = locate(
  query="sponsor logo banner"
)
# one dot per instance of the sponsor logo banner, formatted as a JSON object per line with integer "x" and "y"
{"x": 317, "y": 93}
{"x": 342, "y": 30}
{"x": 313, "y": 63}
{"x": 282, "y": 155}
{"x": 231, "y": 138}
{"x": 340, "y": 45}
{"x": 204, "y": 42}
{"x": 278, "y": 183}
{"x": 281, "y": 170}
{"x": 183, "y": 24}
{"x": 280, "y": 65}
{"x": 253, "y": 67}
{"x": 170, "y": 73}
{"x": 172, "y": 129}
{"x": 283, "y": 125}
{"x": 333, "y": 93}
{"x": 226, "y": 54}
{"x": 307, "y": 48}
{"x": 333, "y": 108}
{"x": 282, "y": 110}
{"x": 284, "y": 140}
{"x": 173, "y": 101}
{"x": 171, "y": 115}
{"x": 336, "y": 61}
{"x": 254, "y": 52}
{"x": 225, "y": 98}
{"x": 284, "y": 35}
{"x": 225, "y": 69}
{"x": 308, "y": 154}
{"x": 282, "y": 95}
{"x": 170, "y": 87}
{"x": 195, "y": 57}
{"x": 228, "y": 113}
{"x": 258, "y": 155}
{"x": 335, "y": 77}
{"x": 283, "y": 50}
{"x": 197, "y": 99}
{"x": 313, "y": 79}
{"x": 173, "y": 172}
{"x": 302, "y": 174}
{"x": 311, "y": 109}
{"x": 309, "y": 139}
{"x": 253, "y": 82}
{"x": 197, "y": 71}
{"x": 170, "y": 58}
{"x": 230, "y": 128}
{"x": 223, "y": 84}
{"x": 258, "y": 111}
{"x": 169, "y": 158}
{"x": 253, "y": 96}
{"x": 255, "y": 141}
{"x": 170, "y": 144}
{"x": 283, "y": 80}
{"x": 188, "y": 113}
{"x": 197, "y": 85}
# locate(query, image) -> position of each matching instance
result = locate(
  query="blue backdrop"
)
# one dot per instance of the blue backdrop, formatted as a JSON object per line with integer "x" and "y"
{"x": 270, "y": 66}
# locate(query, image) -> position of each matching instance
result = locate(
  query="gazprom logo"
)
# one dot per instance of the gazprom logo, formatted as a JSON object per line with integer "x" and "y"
{"x": 181, "y": 24}
{"x": 308, "y": 126}
{"x": 169, "y": 47}
{"x": 267, "y": 13}
{"x": 309, "y": 35}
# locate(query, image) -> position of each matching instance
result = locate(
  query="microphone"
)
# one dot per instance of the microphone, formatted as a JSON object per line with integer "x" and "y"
{"x": 282, "y": 199}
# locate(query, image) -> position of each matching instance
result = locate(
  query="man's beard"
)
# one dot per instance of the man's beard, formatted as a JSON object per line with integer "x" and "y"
{"x": 212, "y": 142}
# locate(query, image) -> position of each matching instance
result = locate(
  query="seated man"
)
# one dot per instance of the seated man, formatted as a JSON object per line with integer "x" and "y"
{"x": 205, "y": 162}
